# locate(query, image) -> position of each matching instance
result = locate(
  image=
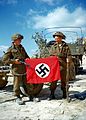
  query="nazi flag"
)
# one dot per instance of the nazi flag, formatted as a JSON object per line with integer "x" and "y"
{"x": 42, "y": 70}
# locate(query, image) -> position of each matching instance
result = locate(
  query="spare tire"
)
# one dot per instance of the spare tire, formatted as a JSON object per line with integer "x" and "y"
{"x": 3, "y": 75}
{"x": 3, "y": 82}
{"x": 31, "y": 89}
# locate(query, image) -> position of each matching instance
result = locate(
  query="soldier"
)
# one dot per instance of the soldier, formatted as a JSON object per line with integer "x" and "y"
{"x": 62, "y": 51}
{"x": 14, "y": 55}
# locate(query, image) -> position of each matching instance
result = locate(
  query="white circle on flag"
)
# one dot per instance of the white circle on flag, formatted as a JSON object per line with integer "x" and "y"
{"x": 42, "y": 70}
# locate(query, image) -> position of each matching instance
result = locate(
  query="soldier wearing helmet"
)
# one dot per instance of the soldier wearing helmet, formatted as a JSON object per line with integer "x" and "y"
{"x": 13, "y": 55}
{"x": 17, "y": 36}
{"x": 62, "y": 51}
{"x": 60, "y": 34}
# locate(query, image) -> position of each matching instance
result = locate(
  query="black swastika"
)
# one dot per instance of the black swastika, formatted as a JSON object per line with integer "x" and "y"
{"x": 42, "y": 70}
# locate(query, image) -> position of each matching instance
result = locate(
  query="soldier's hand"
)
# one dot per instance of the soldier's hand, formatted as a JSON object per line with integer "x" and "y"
{"x": 17, "y": 61}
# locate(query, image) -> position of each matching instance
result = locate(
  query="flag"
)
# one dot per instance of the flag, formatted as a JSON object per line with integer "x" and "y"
{"x": 41, "y": 70}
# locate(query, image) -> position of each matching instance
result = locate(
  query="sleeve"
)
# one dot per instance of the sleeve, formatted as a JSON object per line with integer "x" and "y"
{"x": 69, "y": 56}
{"x": 7, "y": 57}
{"x": 68, "y": 51}
{"x": 26, "y": 55}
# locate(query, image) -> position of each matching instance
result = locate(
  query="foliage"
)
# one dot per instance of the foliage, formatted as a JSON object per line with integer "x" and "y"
{"x": 41, "y": 43}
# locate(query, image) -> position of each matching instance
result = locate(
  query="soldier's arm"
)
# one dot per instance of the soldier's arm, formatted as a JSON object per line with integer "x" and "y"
{"x": 68, "y": 60}
{"x": 26, "y": 55}
{"x": 69, "y": 56}
{"x": 7, "y": 57}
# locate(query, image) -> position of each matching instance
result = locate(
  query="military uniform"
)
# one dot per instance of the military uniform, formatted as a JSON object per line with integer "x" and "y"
{"x": 62, "y": 51}
{"x": 18, "y": 70}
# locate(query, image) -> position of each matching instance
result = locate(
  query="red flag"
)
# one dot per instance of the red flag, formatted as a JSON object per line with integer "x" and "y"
{"x": 42, "y": 70}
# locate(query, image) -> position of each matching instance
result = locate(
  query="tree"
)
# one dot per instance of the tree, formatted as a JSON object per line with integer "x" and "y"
{"x": 41, "y": 43}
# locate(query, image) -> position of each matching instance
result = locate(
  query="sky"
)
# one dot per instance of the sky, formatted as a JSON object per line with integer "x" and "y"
{"x": 29, "y": 16}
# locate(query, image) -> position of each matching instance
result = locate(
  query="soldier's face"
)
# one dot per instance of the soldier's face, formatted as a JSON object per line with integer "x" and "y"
{"x": 17, "y": 41}
{"x": 58, "y": 39}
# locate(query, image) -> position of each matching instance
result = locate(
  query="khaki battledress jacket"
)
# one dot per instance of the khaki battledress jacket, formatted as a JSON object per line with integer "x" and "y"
{"x": 18, "y": 70}
{"x": 62, "y": 51}
{"x": 15, "y": 52}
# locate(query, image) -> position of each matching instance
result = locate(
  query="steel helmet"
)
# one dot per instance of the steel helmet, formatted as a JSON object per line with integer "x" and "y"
{"x": 16, "y": 36}
{"x": 59, "y": 34}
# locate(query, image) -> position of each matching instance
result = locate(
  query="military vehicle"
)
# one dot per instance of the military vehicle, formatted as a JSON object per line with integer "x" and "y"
{"x": 4, "y": 70}
{"x": 77, "y": 51}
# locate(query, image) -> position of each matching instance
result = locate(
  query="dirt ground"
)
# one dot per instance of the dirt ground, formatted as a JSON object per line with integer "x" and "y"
{"x": 58, "y": 109}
